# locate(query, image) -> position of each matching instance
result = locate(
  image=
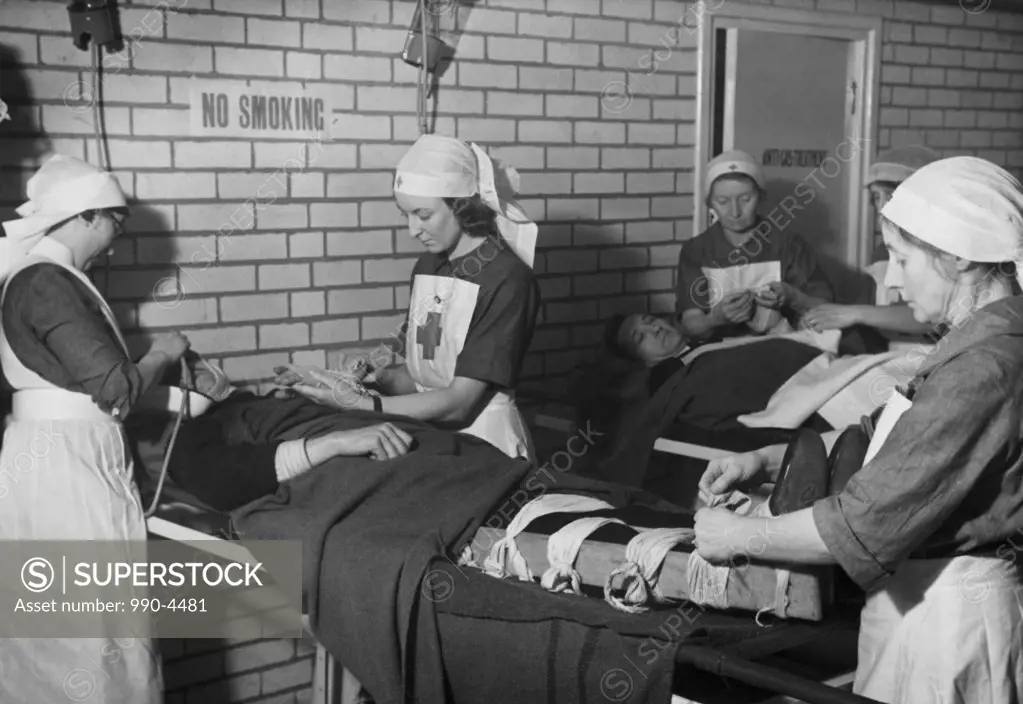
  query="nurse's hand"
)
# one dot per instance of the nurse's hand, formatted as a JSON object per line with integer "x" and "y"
{"x": 733, "y": 308}
{"x": 831, "y": 316}
{"x": 173, "y": 345}
{"x": 381, "y": 442}
{"x": 333, "y": 389}
{"x": 726, "y": 474}
{"x": 718, "y": 533}
{"x": 775, "y": 295}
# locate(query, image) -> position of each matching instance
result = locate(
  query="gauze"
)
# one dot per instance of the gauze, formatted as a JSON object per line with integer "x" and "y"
{"x": 444, "y": 167}
{"x": 965, "y": 206}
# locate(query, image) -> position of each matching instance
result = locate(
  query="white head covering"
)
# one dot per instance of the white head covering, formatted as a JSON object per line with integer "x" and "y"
{"x": 899, "y": 163}
{"x": 734, "y": 162}
{"x": 965, "y": 206}
{"x": 444, "y": 167}
{"x": 62, "y": 188}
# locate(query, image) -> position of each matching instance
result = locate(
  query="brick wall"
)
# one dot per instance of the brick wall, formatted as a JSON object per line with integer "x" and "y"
{"x": 322, "y": 262}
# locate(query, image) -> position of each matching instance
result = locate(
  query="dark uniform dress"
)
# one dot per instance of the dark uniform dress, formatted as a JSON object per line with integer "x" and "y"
{"x": 67, "y": 472}
{"x": 709, "y": 267}
{"x": 930, "y": 526}
{"x": 474, "y": 317}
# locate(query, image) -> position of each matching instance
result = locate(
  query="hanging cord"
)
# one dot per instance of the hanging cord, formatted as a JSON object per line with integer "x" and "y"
{"x": 97, "y": 112}
{"x": 423, "y": 93}
{"x": 101, "y": 155}
{"x": 186, "y": 386}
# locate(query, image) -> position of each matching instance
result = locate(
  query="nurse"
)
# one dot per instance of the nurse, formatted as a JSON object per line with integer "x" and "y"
{"x": 743, "y": 275}
{"x": 929, "y": 525}
{"x": 73, "y": 384}
{"x": 474, "y": 300}
{"x": 884, "y": 311}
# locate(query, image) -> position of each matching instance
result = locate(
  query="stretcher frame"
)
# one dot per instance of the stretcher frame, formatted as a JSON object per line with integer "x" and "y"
{"x": 333, "y": 684}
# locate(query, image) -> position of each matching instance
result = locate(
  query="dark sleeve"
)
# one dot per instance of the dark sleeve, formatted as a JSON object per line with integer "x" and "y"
{"x": 690, "y": 285}
{"x": 500, "y": 332}
{"x": 221, "y": 475}
{"x": 801, "y": 270}
{"x": 962, "y": 419}
{"x": 54, "y": 308}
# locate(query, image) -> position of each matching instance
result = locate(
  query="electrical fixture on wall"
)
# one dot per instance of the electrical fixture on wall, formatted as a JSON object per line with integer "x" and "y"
{"x": 418, "y": 51}
{"x": 92, "y": 20}
{"x": 425, "y": 49}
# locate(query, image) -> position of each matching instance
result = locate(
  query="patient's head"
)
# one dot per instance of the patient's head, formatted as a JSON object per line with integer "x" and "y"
{"x": 645, "y": 338}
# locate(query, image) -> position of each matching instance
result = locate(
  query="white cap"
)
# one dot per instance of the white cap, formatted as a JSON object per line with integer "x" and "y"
{"x": 965, "y": 206}
{"x": 734, "y": 162}
{"x": 444, "y": 167}
{"x": 62, "y": 188}
{"x": 899, "y": 163}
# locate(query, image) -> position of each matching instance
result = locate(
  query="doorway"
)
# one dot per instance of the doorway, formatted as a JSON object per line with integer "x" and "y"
{"x": 798, "y": 91}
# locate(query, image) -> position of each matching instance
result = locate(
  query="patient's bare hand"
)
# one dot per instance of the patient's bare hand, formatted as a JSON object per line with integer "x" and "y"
{"x": 381, "y": 442}
{"x": 726, "y": 474}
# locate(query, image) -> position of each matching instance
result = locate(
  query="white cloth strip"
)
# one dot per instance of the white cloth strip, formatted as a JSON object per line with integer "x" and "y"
{"x": 563, "y": 550}
{"x": 505, "y": 557}
{"x": 644, "y": 557}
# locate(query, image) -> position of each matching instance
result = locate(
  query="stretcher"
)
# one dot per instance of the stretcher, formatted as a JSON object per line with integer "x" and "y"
{"x": 177, "y": 518}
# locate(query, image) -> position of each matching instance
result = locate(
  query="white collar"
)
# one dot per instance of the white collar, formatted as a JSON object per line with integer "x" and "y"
{"x": 55, "y": 251}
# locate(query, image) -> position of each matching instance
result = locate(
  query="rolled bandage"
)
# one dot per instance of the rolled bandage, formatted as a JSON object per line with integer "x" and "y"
{"x": 291, "y": 460}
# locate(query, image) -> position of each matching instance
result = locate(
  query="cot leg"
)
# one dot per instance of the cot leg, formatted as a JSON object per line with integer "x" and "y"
{"x": 325, "y": 689}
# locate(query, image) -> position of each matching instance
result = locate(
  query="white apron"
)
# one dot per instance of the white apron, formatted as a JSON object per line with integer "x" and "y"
{"x": 66, "y": 474}
{"x": 721, "y": 282}
{"x": 441, "y": 310}
{"x": 944, "y": 631}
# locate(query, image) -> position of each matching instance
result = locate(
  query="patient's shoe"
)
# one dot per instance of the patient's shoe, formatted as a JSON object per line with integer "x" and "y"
{"x": 804, "y": 475}
{"x": 847, "y": 457}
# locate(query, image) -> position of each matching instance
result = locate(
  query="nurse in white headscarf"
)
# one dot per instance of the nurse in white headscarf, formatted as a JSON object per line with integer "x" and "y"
{"x": 932, "y": 524}
{"x": 73, "y": 384}
{"x": 474, "y": 298}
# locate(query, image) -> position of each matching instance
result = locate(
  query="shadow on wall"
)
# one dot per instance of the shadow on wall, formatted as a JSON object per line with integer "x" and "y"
{"x": 22, "y": 144}
{"x": 146, "y": 249}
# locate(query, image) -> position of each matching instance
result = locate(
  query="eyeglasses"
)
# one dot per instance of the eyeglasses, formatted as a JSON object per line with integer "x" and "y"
{"x": 120, "y": 219}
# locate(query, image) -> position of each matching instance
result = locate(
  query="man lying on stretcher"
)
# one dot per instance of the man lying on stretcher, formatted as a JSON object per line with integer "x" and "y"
{"x": 244, "y": 446}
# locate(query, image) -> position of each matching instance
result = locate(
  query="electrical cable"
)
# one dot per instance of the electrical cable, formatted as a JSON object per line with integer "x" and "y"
{"x": 97, "y": 112}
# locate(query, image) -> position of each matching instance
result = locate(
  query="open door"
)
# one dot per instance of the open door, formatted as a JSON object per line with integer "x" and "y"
{"x": 799, "y": 96}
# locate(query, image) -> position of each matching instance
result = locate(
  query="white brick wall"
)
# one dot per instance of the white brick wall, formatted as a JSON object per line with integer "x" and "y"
{"x": 311, "y": 254}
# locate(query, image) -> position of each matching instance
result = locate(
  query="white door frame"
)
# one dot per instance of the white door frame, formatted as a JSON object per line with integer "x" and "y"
{"x": 865, "y": 67}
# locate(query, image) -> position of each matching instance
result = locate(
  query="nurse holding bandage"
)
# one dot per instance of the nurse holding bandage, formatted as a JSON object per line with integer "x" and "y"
{"x": 925, "y": 526}
{"x": 473, "y": 304}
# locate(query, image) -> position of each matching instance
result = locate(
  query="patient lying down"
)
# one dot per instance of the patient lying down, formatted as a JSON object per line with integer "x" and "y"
{"x": 246, "y": 445}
